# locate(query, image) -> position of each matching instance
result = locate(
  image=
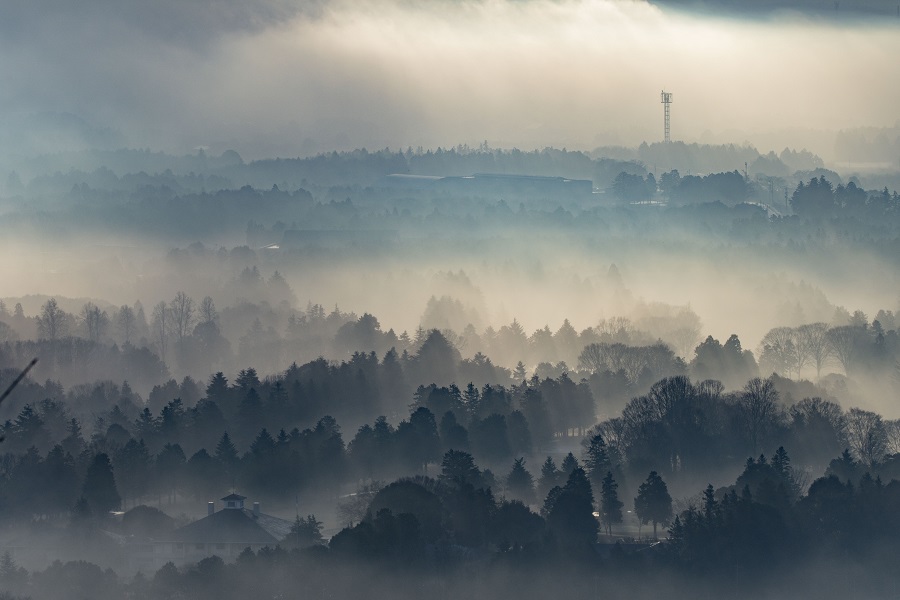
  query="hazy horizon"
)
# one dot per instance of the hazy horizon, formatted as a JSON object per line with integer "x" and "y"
{"x": 424, "y": 283}
{"x": 291, "y": 79}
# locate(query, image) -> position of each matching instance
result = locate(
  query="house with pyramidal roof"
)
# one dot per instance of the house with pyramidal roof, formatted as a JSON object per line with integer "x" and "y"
{"x": 224, "y": 533}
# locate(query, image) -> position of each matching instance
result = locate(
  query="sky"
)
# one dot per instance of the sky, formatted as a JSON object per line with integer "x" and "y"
{"x": 282, "y": 78}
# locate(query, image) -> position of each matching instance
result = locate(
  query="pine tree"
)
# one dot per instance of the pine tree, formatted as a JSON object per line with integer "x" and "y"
{"x": 520, "y": 374}
{"x": 520, "y": 483}
{"x": 610, "y": 505}
{"x": 653, "y": 503}
{"x": 263, "y": 446}
{"x": 459, "y": 468}
{"x": 170, "y": 468}
{"x": 710, "y": 506}
{"x": 781, "y": 462}
{"x": 304, "y": 533}
{"x": 146, "y": 426}
{"x": 676, "y": 535}
{"x": 247, "y": 379}
{"x": 74, "y": 442}
{"x": 471, "y": 398}
{"x": 62, "y": 480}
{"x": 13, "y": 577}
{"x": 227, "y": 455}
{"x": 132, "y": 465}
{"x": 217, "y": 388}
{"x": 550, "y": 477}
{"x": 569, "y": 512}
{"x": 100, "y": 487}
{"x": 569, "y": 464}
{"x": 596, "y": 460}
{"x": 250, "y": 417}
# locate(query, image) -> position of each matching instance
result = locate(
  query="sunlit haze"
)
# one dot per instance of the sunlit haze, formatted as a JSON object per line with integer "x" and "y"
{"x": 343, "y": 75}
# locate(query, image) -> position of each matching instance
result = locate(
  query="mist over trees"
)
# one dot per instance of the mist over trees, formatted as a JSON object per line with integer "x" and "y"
{"x": 335, "y": 299}
{"x": 448, "y": 499}
{"x": 605, "y": 385}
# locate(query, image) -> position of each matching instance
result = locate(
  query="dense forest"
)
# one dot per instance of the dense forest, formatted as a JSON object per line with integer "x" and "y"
{"x": 441, "y": 435}
{"x": 479, "y": 300}
{"x": 468, "y": 492}
{"x": 462, "y": 478}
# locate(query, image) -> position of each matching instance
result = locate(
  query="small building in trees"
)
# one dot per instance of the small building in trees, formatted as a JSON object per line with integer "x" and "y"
{"x": 224, "y": 533}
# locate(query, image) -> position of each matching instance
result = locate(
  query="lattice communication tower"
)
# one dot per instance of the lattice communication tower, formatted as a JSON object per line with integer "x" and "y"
{"x": 666, "y": 99}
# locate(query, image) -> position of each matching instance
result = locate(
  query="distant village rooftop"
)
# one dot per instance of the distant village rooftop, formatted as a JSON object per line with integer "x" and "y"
{"x": 224, "y": 533}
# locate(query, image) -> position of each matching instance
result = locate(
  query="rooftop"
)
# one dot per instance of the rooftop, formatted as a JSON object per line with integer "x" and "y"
{"x": 234, "y": 527}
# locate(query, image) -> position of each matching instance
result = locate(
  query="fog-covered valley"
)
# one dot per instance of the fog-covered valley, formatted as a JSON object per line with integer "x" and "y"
{"x": 333, "y": 298}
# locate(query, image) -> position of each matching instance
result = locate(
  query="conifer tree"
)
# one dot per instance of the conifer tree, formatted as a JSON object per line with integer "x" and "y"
{"x": 653, "y": 503}
{"x": 569, "y": 512}
{"x": 100, "y": 487}
{"x": 569, "y": 464}
{"x": 520, "y": 483}
{"x": 550, "y": 477}
{"x": 596, "y": 460}
{"x": 610, "y": 505}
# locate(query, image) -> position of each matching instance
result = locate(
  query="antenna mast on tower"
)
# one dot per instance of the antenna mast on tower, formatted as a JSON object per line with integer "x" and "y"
{"x": 666, "y": 99}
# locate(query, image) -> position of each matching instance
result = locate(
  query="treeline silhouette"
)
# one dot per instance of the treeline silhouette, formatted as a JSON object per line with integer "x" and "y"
{"x": 203, "y": 197}
{"x": 270, "y": 436}
{"x": 681, "y": 429}
{"x": 128, "y": 170}
{"x": 500, "y": 500}
{"x": 817, "y": 199}
{"x": 450, "y": 535}
{"x": 618, "y": 358}
{"x": 193, "y": 338}
{"x": 263, "y": 214}
{"x": 281, "y": 437}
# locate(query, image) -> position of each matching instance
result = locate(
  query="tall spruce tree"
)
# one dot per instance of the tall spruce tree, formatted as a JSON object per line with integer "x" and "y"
{"x": 653, "y": 503}
{"x": 570, "y": 512}
{"x": 596, "y": 460}
{"x": 100, "y": 487}
{"x": 550, "y": 477}
{"x": 610, "y": 505}
{"x": 520, "y": 483}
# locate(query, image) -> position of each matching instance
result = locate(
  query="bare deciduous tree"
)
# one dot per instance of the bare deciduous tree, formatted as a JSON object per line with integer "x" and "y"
{"x": 759, "y": 409}
{"x": 892, "y": 436}
{"x": 94, "y": 321}
{"x": 866, "y": 435}
{"x": 812, "y": 409}
{"x": 777, "y": 351}
{"x": 160, "y": 327}
{"x": 53, "y": 322}
{"x": 613, "y": 432}
{"x": 593, "y": 357}
{"x": 633, "y": 361}
{"x": 127, "y": 322}
{"x": 685, "y": 339}
{"x": 814, "y": 339}
{"x": 208, "y": 313}
{"x": 710, "y": 388}
{"x": 181, "y": 311}
{"x": 618, "y": 329}
{"x": 845, "y": 342}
